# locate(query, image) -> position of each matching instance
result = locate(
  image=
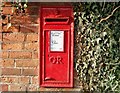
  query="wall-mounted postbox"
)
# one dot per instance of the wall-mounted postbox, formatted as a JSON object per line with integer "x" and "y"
{"x": 56, "y": 46}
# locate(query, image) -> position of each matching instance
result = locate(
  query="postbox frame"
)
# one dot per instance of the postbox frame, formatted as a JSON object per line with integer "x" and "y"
{"x": 43, "y": 83}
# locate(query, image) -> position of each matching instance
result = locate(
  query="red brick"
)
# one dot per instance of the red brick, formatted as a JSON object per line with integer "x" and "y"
{"x": 35, "y": 55}
{"x": 35, "y": 80}
{"x": 31, "y": 46}
{"x": 33, "y": 10}
{"x": 32, "y": 88}
{"x": 13, "y": 37}
{"x": 0, "y": 70}
{"x": 11, "y": 71}
{"x": 29, "y": 72}
{"x": 34, "y": 19}
{"x": 4, "y": 87}
{"x": 12, "y": 79}
{"x": 7, "y": 3}
{"x": 26, "y": 19}
{"x": 12, "y": 46}
{"x": 1, "y": 2}
{"x": 32, "y": 37}
{"x": 4, "y": 54}
{"x": 20, "y": 54}
{"x": 16, "y": 20}
{"x": 28, "y": 28}
{"x": 17, "y": 87}
{"x": 14, "y": 28}
{"x": 0, "y": 37}
{"x": 3, "y": 79}
{"x": 26, "y": 63}
{"x": 0, "y": 25}
{"x": 24, "y": 80}
{"x": 7, "y": 63}
{"x": 19, "y": 20}
{"x": 9, "y": 79}
{"x": 7, "y": 10}
{"x": 0, "y": 53}
{"x": 1, "y": 63}
{"x": 25, "y": 29}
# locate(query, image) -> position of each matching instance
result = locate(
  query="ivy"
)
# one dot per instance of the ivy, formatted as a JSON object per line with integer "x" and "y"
{"x": 97, "y": 45}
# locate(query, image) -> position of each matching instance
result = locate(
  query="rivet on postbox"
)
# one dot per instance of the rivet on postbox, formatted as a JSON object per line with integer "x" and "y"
{"x": 56, "y": 46}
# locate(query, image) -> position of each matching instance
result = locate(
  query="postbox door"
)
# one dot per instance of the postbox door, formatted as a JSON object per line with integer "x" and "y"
{"x": 57, "y": 56}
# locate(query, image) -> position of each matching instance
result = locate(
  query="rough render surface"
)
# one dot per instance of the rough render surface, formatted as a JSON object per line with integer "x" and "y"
{"x": 19, "y": 46}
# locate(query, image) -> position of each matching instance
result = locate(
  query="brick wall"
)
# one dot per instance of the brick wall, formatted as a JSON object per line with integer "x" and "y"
{"x": 19, "y": 44}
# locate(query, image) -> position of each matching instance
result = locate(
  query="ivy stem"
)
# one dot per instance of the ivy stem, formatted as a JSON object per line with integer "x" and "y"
{"x": 103, "y": 19}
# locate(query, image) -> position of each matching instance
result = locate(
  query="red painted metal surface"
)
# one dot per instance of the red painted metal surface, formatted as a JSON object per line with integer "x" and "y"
{"x": 56, "y": 46}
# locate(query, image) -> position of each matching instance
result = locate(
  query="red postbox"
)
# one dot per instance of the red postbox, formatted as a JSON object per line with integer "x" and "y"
{"x": 56, "y": 46}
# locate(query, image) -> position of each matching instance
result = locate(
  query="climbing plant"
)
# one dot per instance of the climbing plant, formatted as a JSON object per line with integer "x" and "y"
{"x": 97, "y": 45}
{"x": 18, "y": 8}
